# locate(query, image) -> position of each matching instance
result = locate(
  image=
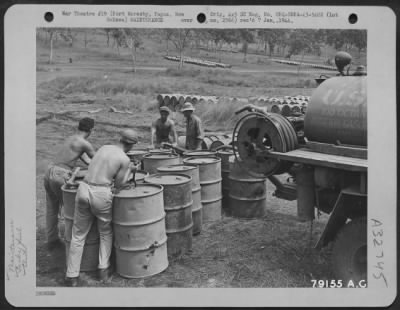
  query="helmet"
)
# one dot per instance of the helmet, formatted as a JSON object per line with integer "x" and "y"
{"x": 165, "y": 109}
{"x": 187, "y": 107}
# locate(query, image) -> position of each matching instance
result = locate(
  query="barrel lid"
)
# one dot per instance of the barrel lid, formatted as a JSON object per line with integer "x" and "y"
{"x": 168, "y": 179}
{"x": 201, "y": 160}
{"x": 176, "y": 168}
{"x": 160, "y": 156}
{"x": 199, "y": 153}
{"x": 141, "y": 190}
{"x": 137, "y": 152}
{"x": 158, "y": 151}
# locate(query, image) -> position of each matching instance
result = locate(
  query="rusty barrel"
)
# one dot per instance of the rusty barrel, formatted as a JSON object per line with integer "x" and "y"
{"x": 140, "y": 239}
{"x": 90, "y": 256}
{"x": 197, "y": 208}
{"x": 210, "y": 182}
{"x": 226, "y": 156}
{"x": 178, "y": 207}
{"x": 247, "y": 194}
{"x": 153, "y": 161}
{"x": 199, "y": 153}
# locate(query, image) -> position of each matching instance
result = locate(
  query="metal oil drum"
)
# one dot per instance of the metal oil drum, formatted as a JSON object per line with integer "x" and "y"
{"x": 178, "y": 207}
{"x": 140, "y": 239}
{"x": 153, "y": 161}
{"x": 247, "y": 194}
{"x": 197, "y": 208}
{"x": 90, "y": 256}
{"x": 337, "y": 112}
{"x": 210, "y": 182}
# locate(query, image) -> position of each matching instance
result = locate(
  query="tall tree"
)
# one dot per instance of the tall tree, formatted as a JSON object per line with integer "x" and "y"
{"x": 133, "y": 40}
{"x": 245, "y": 36}
{"x": 181, "y": 38}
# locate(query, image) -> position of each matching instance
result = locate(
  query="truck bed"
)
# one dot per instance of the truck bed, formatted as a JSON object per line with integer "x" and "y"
{"x": 307, "y": 156}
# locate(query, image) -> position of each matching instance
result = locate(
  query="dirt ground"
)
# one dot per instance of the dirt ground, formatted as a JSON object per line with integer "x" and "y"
{"x": 273, "y": 251}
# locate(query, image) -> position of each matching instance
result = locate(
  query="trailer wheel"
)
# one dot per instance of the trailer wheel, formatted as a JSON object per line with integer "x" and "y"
{"x": 349, "y": 253}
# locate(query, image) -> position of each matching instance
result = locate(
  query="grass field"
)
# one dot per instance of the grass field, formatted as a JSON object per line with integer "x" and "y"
{"x": 273, "y": 251}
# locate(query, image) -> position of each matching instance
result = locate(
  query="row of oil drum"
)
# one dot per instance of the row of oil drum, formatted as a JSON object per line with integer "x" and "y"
{"x": 157, "y": 217}
{"x": 210, "y": 142}
{"x": 298, "y": 63}
{"x": 175, "y": 101}
{"x": 199, "y": 62}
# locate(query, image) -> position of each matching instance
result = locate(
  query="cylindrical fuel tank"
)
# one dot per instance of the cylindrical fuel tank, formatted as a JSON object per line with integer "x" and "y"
{"x": 193, "y": 172}
{"x": 90, "y": 256}
{"x": 337, "y": 111}
{"x": 153, "y": 161}
{"x": 139, "y": 231}
{"x": 178, "y": 206}
{"x": 210, "y": 182}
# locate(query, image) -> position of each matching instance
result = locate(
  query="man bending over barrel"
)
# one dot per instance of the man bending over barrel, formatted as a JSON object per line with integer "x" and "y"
{"x": 94, "y": 201}
{"x": 58, "y": 173}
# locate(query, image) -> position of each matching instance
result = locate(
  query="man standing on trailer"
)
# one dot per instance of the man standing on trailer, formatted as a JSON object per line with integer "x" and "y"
{"x": 93, "y": 201}
{"x": 163, "y": 129}
{"x": 194, "y": 133}
{"x": 58, "y": 173}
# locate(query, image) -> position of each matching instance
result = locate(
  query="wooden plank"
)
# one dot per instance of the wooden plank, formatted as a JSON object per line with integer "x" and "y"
{"x": 342, "y": 150}
{"x": 320, "y": 159}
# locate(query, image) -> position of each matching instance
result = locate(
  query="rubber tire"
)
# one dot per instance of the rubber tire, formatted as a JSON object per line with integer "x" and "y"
{"x": 350, "y": 238}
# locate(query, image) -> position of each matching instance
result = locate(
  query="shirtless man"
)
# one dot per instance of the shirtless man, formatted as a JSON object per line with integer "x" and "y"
{"x": 59, "y": 171}
{"x": 163, "y": 129}
{"x": 94, "y": 201}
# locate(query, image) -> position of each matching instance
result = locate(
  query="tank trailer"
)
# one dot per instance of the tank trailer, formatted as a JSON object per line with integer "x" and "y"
{"x": 325, "y": 152}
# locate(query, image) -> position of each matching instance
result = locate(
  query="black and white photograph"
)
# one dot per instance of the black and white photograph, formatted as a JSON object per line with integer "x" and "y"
{"x": 201, "y": 157}
{"x": 258, "y": 138}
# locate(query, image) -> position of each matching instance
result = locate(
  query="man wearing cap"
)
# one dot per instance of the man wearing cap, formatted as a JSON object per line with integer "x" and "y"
{"x": 163, "y": 129}
{"x": 110, "y": 166}
{"x": 59, "y": 171}
{"x": 194, "y": 133}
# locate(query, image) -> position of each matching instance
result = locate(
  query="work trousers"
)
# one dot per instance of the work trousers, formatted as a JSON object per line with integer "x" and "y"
{"x": 92, "y": 202}
{"x": 54, "y": 178}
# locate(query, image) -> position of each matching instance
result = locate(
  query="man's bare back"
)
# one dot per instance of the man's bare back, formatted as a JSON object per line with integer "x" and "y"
{"x": 110, "y": 164}
{"x": 72, "y": 149}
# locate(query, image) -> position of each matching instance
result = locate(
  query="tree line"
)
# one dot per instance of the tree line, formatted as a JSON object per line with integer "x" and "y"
{"x": 270, "y": 42}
